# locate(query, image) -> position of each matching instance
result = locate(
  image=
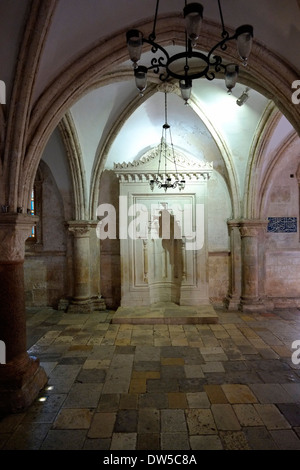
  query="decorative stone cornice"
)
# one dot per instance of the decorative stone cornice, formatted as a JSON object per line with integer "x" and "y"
{"x": 146, "y": 168}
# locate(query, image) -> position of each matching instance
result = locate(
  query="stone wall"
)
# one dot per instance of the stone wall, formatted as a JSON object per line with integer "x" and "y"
{"x": 46, "y": 259}
{"x": 282, "y": 247}
{"x": 218, "y": 263}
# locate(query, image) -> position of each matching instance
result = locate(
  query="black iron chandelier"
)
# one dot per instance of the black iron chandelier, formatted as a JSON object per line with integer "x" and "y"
{"x": 190, "y": 64}
{"x": 166, "y": 154}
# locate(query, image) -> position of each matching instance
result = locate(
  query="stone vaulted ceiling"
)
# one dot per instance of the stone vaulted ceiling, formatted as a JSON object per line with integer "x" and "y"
{"x": 111, "y": 121}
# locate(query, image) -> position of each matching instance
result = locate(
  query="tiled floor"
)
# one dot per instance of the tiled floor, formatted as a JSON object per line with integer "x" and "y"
{"x": 230, "y": 385}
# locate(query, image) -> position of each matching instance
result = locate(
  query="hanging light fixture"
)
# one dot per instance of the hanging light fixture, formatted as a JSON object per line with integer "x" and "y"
{"x": 243, "y": 98}
{"x": 209, "y": 64}
{"x": 166, "y": 154}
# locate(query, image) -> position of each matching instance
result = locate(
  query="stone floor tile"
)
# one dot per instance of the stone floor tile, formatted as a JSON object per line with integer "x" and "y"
{"x": 197, "y": 400}
{"x": 286, "y": 439}
{"x": 259, "y": 438}
{"x": 206, "y": 443}
{"x": 213, "y": 367}
{"x": 126, "y": 421}
{"x": 172, "y": 361}
{"x": 96, "y": 444}
{"x": 193, "y": 371}
{"x": 247, "y": 415}
{"x": 225, "y": 418}
{"x": 147, "y": 353}
{"x": 91, "y": 376}
{"x": 119, "y": 374}
{"x": 149, "y": 374}
{"x": 173, "y": 421}
{"x": 200, "y": 421}
{"x": 293, "y": 390}
{"x": 270, "y": 393}
{"x": 27, "y": 436}
{"x": 148, "y": 442}
{"x": 83, "y": 396}
{"x": 63, "y": 439}
{"x": 153, "y": 400}
{"x": 102, "y": 425}
{"x": 291, "y": 412}
{"x": 128, "y": 401}
{"x": 149, "y": 421}
{"x": 73, "y": 419}
{"x": 191, "y": 385}
{"x": 137, "y": 386}
{"x": 267, "y": 353}
{"x": 9, "y": 423}
{"x": 215, "y": 394}
{"x": 234, "y": 440}
{"x": 177, "y": 400}
{"x": 278, "y": 376}
{"x": 108, "y": 402}
{"x": 238, "y": 393}
{"x": 282, "y": 351}
{"x": 175, "y": 441}
{"x": 46, "y": 404}
{"x": 167, "y": 385}
{"x": 146, "y": 366}
{"x": 271, "y": 416}
{"x": 172, "y": 372}
{"x": 123, "y": 441}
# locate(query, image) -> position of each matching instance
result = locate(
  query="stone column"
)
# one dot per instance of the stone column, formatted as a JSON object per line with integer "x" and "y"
{"x": 235, "y": 275}
{"x": 252, "y": 237}
{"x": 21, "y": 377}
{"x": 83, "y": 301}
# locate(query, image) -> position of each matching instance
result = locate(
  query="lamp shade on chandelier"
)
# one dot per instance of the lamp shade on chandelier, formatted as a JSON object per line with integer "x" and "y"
{"x": 190, "y": 64}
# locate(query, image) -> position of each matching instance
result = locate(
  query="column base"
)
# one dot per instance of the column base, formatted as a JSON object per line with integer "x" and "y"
{"x": 20, "y": 383}
{"x": 87, "y": 306}
{"x": 252, "y": 305}
{"x": 98, "y": 303}
{"x": 232, "y": 303}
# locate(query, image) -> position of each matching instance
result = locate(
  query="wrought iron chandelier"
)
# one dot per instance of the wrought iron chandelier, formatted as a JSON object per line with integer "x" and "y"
{"x": 166, "y": 154}
{"x": 190, "y": 64}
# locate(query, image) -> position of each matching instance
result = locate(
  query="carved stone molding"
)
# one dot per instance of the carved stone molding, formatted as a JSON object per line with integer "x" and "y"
{"x": 14, "y": 230}
{"x": 252, "y": 228}
{"x": 80, "y": 228}
{"x": 146, "y": 167}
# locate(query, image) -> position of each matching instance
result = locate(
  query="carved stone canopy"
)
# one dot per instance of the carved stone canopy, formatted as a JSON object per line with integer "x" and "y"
{"x": 146, "y": 168}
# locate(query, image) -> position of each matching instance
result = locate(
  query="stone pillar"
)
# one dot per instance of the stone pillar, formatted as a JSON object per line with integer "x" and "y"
{"x": 252, "y": 238}
{"x": 83, "y": 299}
{"x": 21, "y": 377}
{"x": 232, "y": 301}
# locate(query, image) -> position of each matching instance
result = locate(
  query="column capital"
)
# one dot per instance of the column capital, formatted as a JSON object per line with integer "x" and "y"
{"x": 15, "y": 228}
{"x": 252, "y": 227}
{"x": 233, "y": 222}
{"x": 81, "y": 228}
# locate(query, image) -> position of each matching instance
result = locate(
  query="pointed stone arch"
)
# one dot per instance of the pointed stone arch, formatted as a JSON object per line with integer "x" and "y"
{"x": 72, "y": 146}
{"x": 267, "y": 73}
{"x": 255, "y": 168}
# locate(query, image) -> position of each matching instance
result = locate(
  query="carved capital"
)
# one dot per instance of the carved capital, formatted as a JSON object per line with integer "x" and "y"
{"x": 252, "y": 228}
{"x": 14, "y": 231}
{"x": 80, "y": 228}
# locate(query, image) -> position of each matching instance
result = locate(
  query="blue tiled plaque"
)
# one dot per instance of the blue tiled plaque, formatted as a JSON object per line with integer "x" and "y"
{"x": 282, "y": 224}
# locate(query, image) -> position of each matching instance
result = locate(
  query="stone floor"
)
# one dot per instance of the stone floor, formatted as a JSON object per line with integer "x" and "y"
{"x": 230, "y": 385}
